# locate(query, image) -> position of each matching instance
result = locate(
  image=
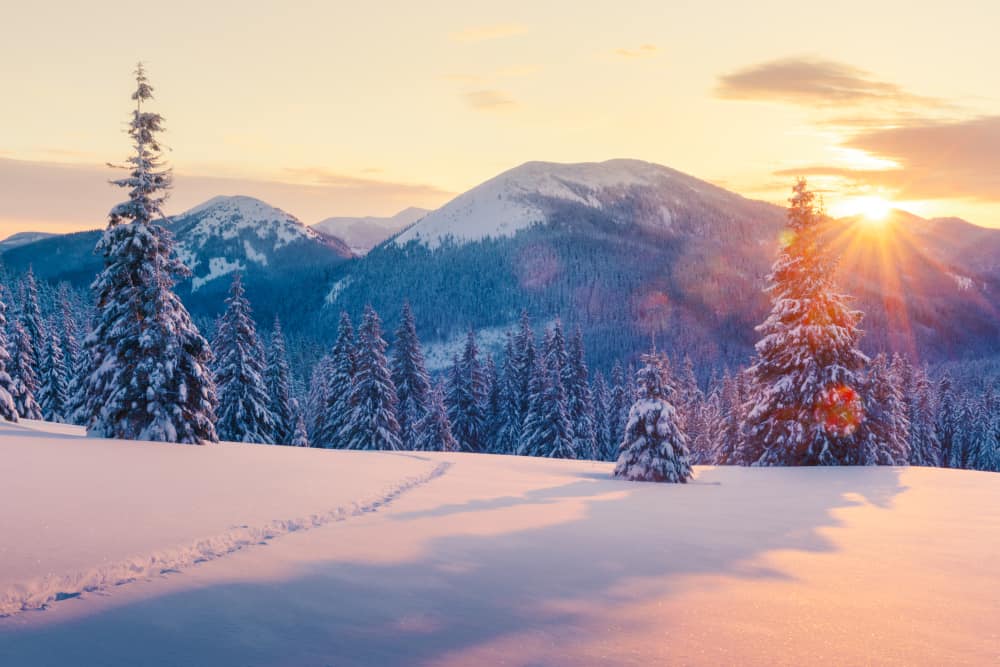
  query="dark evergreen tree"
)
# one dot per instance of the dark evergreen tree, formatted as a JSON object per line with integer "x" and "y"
{"x": 466, "y": 398}
{"x": 70, "y": 340}
{"x": 316, "y": 400}
{"x": 654, "y": 448}
{"x": 947, "y": 425}
{"x": 925, "y": 448}
{"x": 373, "y": 423}
{"x": 492, "y": 406}
{"x": 31, "y": 317}
{"x": 604, "y": 447}
{"x": 728, "y": 430}
{"x": 244, "y": 415}
{"x": 409, "y": 374}
{"x": 277, "y": 379}
{"x": 300, "y": 437}
{"x": 618, "y": 407}
{"x": 509, "y": 430}
{"x": 805, "y": 401}
{"x": 150, "y": 377}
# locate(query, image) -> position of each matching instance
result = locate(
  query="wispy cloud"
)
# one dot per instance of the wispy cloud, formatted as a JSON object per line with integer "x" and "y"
{"x": 489, "y": 100}
{"x": 487, "y": 32}
{"x": 936, "y": 160}
{"x": 644, "y": 51}
{"x": 815, "y": 82}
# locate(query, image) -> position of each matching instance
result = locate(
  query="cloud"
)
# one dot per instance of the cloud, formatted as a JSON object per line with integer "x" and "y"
{"x": 48, "y": 196}
{"x": 937, "y": 160}
{"x": 489, "y": 100}
{"x": 644, "y": 51}
{"x": 488, "y": 32}
{"x": 814, "y": 82}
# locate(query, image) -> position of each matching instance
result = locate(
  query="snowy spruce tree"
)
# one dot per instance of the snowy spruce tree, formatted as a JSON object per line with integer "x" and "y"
{"x": 579, "y": 399}
{"x": 618, "y": 406}
{"x": 8, "y": 410}
{"x": 69, "y": 337}
{"x": 278, "y": 382}
{"x": 373, "y": 400}
{"x": 509, "y": 428}
{"x": 434, "y": 429}
{"x": 53, "y": 393}
{"x": 654, "y": 448}
{"x": 883, "y": 436}
{"x": 339, "y": 374}
{"x": 244, "y": 412}
{"x": 548, "y": 431}
{"x": 466, "y": 398}
{"x": 300, "y": 437}
{"x": 925, "y": 449}
{"x": 409, "y": 375}
{"x": 604, "y": 448}
{"x": 24, "y": 385}
{"x": 149, "y": 376}
{"x": 316, "y": 398}
{"x": 31, "y": 317}
{"x": 805, "y": 405}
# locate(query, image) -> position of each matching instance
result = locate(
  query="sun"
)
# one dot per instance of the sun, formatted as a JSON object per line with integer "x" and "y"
{"x": 870, "y": 208}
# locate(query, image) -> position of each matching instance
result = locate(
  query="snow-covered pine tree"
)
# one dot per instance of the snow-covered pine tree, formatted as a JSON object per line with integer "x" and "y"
{"x": 548, "y": 431}
{"x": 373, "y": 423}
{"x": 316, "y": 398}
{"x": 602, "y": 400}
{"x": 244, "y": 415}
{"x": 883, "y": 436}
{"x": 947, "y": 426}
{"x": 409, "y": 375}
{"x": 434, "y": 429}
{"x": 703, "y": 415}
{"x": 618, "y": 407}
{"x": 805, "y": 401}
{"x": 277, "y": 380}
{"x": 31, "y": 317}
{"x": 524, "y": 366}
{"x": 150, "y": 378}
{"x": 466, "y": 398}
{"x": 300, "y": 437}
{"x": 8, "y": 410}
{"x": 24, "y": 385}
{"x": 70, "y": 339}
{"x": 509, "y": 432}
{"x": 728, "y": 430}
{"x": 340, "y": 377}
{"x": 579, "y": 399}
{"x": 925, "y": 448}
{"x": 53, "y": 389}
{"x": 654, "y": 448}
{"x": 492, "y": 406}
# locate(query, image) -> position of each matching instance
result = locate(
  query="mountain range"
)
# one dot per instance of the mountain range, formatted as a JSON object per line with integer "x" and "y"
{"x": 631, "y": 252}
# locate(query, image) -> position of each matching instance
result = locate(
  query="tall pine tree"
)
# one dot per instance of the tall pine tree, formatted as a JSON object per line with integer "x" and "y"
{"x": 53, "y": 391}
{"x": 805, "y": 401}
{"x": 150, "y": 378}
{"x": 8, "y": 410}
{"x": 277, "y": 379}
{"x": 340, "y": 375}
{"x": 24, "y": 386}
{"x": 466, "y": 398}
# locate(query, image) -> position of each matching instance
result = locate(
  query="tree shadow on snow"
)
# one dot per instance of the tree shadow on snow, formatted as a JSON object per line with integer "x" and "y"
{"x": 467, "y": 590}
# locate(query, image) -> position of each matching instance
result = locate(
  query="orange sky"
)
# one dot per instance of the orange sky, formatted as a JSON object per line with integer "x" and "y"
{"x": 330, "y": 108}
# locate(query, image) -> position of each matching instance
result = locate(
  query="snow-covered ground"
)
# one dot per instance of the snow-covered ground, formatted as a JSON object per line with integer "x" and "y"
{"x": 482, "y": 560}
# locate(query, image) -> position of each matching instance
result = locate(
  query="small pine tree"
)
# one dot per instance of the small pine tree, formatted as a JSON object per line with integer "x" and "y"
{"x": 340, "y": 376}
{"x": 509, "y": 429}
{"x": 548, "y": 430}
{"x": 654, "y": 448}
{"x": 603, "y": 445}
{"x": 805, "y": 406}
{"x": 618, "y": 406}
{"x": 24, "y": 384}
{"x": 434, "y": 429}
{"x": 8, "y": 409}
{"x": 278, "y": 382}
{"x": 300, "y": 437}
{"x": 947, "y": 424}
{"x": 409, "y": 375}
{"x": 53, "y": 392}
{"x": 925, "y": 448}
{"x": 150, "y": 377}
{"x": 492, "y": 406}
{"x": 373, "y": 423}
{"x": 316, "y": 398}
{"x": 244, "y": 415}
{"x": 728, "y": 430}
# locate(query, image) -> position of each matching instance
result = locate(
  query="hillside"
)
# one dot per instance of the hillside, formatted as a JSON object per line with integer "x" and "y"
{"x": 256, "y": 555}
{"x": 364, "y": 233}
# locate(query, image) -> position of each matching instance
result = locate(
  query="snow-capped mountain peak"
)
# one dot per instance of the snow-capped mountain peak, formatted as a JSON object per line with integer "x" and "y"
{"x": 531, "y": 193}
{"x": 231, "y": 233}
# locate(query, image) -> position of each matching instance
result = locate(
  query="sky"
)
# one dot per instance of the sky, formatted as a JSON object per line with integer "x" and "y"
{"x": 335, "y": 108}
